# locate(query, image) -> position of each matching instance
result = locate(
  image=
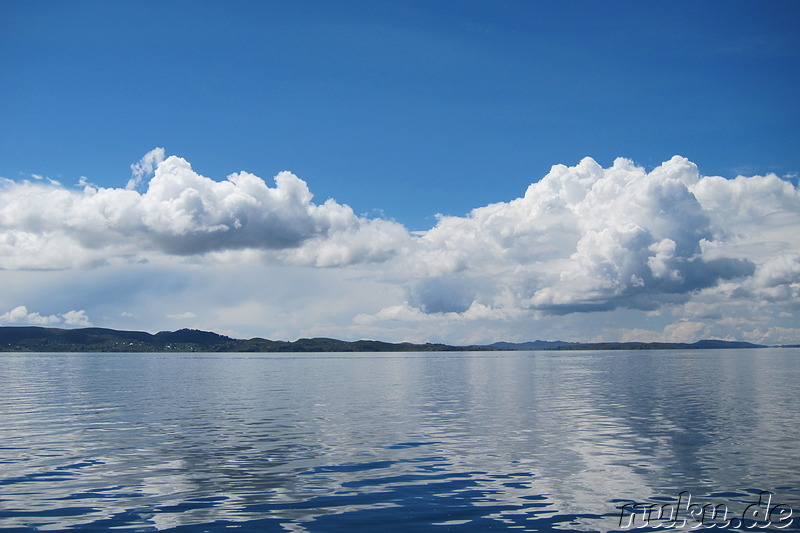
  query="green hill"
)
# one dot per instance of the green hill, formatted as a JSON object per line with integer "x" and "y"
{"x": 41, "y": 339}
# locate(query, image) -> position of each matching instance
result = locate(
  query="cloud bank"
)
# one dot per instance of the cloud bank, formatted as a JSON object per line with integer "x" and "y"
{"x": 584, "y": 239}
{"x": 46, "y": 226}
{"x": 680, "y": 254}
{"x": 20, "y": 316}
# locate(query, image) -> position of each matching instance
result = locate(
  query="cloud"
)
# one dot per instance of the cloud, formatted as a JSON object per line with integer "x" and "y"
{"x": 752, "y": 217}
{"x": 146, "y": 166}
{"x": 182, "y": 316}
{"x": 20, "y": 316}
{"x": 39, "y": 177}
{"x": 774, "y": 335}
{"x": 583, "y": 238}
{"x": 667, "y": 254}
{"x": 183, "y": 214}
{"x": 76, "y": 318}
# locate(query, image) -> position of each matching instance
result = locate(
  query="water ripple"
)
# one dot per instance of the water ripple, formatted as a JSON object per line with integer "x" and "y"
{"x": 528, "y": 441}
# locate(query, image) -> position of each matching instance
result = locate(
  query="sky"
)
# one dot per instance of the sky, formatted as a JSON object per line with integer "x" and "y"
{"x": 460, "y": 172}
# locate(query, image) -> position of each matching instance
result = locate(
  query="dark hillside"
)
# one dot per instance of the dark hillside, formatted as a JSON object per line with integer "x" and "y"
{"x": 194, "y": 336}
{"x": 42, "y": 339}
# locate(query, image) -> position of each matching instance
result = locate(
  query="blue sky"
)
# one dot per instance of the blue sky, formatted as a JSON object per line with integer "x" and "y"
{"x": 409, "y": 107}
{"x": 400, "y": 111}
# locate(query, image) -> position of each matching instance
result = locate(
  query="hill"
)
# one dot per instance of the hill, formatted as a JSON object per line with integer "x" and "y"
{"x": 41, "y": 339}
{"x": 699, "y": 345}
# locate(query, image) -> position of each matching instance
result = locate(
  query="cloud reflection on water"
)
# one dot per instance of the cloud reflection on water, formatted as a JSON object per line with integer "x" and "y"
{"x": 318, "y": 442}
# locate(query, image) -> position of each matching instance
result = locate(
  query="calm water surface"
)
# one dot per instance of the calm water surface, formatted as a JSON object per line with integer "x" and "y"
{"x": 472, "y": 441}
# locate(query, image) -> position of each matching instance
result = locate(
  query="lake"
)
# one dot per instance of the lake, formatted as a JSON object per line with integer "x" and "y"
{"x": 419, "y": 442}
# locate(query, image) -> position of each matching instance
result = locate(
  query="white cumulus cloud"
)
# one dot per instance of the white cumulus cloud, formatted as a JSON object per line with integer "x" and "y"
{"x": 145, "y": 166}
{"x": 585, "y": 253}
{"x": 182, "y": 214}
{"x": 21, "y": 316}
{"x": 583, "y": 238}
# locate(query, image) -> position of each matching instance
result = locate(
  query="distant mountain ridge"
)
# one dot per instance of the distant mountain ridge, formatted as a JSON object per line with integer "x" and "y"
{"x": 42, "y": 339}
{"x": 533, "y": 345}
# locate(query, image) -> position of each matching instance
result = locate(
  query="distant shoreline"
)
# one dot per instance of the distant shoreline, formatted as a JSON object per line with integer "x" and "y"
{"x": 41, "y": 339}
